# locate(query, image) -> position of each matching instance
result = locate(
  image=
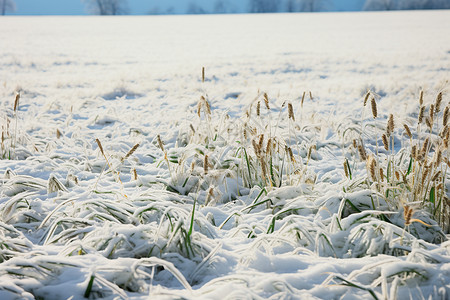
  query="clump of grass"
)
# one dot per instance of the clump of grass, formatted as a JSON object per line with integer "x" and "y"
{"x": 415, "y": 174}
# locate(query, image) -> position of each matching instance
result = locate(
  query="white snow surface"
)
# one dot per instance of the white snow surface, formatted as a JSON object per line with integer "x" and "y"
{"x": 125, "y": 80}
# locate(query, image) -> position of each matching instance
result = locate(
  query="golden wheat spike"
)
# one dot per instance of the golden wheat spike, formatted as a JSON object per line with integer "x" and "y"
{"x": 266, "y": 101}
{"x": 16, "y": 102}
{"x": 385, "y": 142}
{"x": 374, "y": 108}
{"x": 291, "y": 111}
{"x": 438, "y": 102}
{"x": 390, "y": 125}
{"x": 100, "y": 146}
{"x": 421, "y": 114}
{"x": 366, "y": 97}
{"x": 408, "y": 131}
{"x": 129, "y": 153}
{"x": 431, "y": 112}
{"x": 345, "y": 170}
{"x": 362, "y": 152}
{"x": 407, "y": 214}
{"x": 205, "y": 164}
{"x": 445, "y": 117}
{"x": 160, "y": 143}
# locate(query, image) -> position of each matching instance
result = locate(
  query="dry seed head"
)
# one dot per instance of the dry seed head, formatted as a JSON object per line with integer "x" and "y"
{"x": 303, "y": 99}
{"x": 16, "y": 102}
{"x": 291, "y": 155}
{"x": 199, "y": 107}
{"x": 372, "y": 164}
{"x": 447, "y": 161}
{"x": 58, "y": 133}
{"x": 431, "y": 113}
{"x": 407, "y": 214}
{"x": 408, "y": 131}
{"x": 266, "y": 101}
{"x": 446, "y": 139}
{"x": 263, "y": 167}
{"x": 397, "y": 175}
{"x": 428, "y": 121}
{"x": 374, "y": 108}
{"x": 438, "y": 102}
{"x": 310, "y": 95}
{"x": 269, "y": 147}
{"x": 160, "y": 143}
{"x": 192, "y": 128}
{"x": 258, "y": 108}
{"x": 362, "y": 152}
{"x": 261, "y": 141}
{"x": 100, "y": 146}
{"x": 256, "y": 148}
{"x": 385, "y": 142}
{"x": 345, "y": 170}
{"x": 291, "y": 111}
{"x": 421, "y": 114}
{"x": 205, "y": 164}
{"x": 203, "y": 74}
{"x": 445, "y": 117}
{"x": 425, "y": 145}
{"x": 421, "y": 98}
{"x": 436, "y": 176}
{"x": 390, "y": 124}
{"x": 354, "y": 144}
{"x": 381, "y": 174}
{"x": 135, "y": 176}
{"x": 131, "y": 151}
{"x": 425, "y": 174}
{"x": 207, "y": 105}
{"x": 366, "y": 97}
{"x": 414, "y": 151}
{"x": 438, "y": 157}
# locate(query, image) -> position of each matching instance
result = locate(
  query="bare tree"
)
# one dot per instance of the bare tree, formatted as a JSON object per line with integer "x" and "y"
{"x": 307, "y": 5}
{"x": 380, "y": 5}
{"x": 195, "y": 9}
{"x": 107, "y": 7}
{"x": 263, "y": 6}
{"x": 312, "y": 5}
{"x": 406, "y": 4}
{"x": 219, "y": 7}
{"x": 7, "y": 5}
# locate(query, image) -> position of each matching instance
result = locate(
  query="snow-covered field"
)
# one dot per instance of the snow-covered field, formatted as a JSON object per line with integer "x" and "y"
{"x": 248, "y": 185}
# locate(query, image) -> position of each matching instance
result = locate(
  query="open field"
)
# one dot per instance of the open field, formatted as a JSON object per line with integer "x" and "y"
{"x": 309, "y": 160}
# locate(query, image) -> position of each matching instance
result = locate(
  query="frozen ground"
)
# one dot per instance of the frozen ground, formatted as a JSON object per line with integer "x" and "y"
{"x": 74, "y": 225}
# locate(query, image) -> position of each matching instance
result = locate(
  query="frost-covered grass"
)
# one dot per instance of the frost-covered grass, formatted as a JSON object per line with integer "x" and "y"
{"x": 308, "y": 160}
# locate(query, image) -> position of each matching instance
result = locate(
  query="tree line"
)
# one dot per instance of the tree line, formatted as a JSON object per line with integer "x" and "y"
{"x": 119, "y": 7}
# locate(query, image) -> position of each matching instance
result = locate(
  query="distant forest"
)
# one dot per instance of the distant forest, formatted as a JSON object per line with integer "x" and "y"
{"x": 120, "y": 7}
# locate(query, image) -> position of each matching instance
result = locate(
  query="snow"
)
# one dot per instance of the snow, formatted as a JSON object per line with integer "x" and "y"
{"x": 75, "y": 222}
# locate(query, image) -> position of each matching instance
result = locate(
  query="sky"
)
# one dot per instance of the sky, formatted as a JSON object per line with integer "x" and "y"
{"x": 136, "y": 7}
